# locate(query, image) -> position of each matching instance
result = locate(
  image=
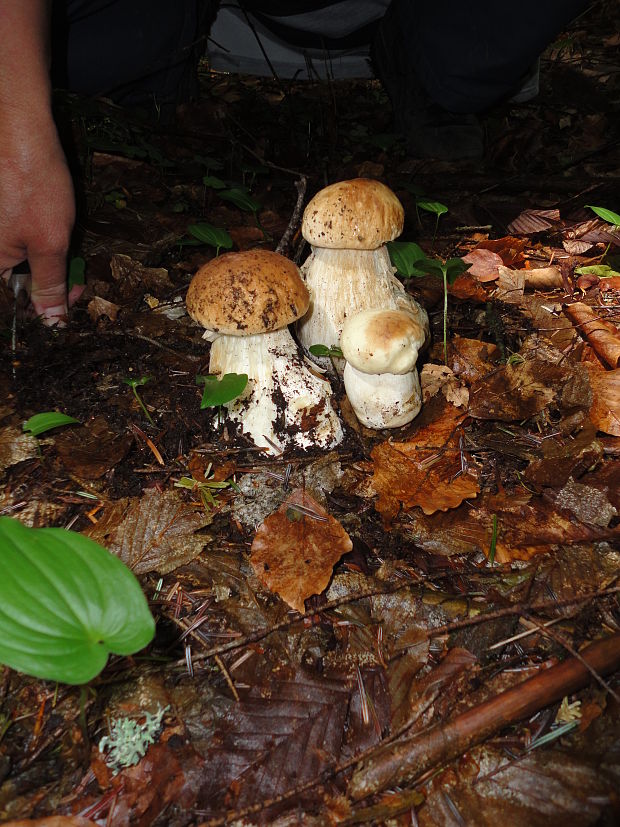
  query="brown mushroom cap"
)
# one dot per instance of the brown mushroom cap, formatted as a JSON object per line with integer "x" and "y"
{"x": 361, "y": 214}
{"x": 239, "y": 294}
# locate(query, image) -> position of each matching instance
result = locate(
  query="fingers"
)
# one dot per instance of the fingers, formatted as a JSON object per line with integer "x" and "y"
{"x": 49, "y": 286}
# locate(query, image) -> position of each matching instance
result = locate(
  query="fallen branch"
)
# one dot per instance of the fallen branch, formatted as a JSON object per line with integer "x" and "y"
{"x": 301, "y": 186}
{"x": 407, "y": 760}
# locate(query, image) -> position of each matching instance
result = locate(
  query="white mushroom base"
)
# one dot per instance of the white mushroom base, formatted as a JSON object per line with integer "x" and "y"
{"x": 284, "y": 404}
{"x": 383, "y": 400}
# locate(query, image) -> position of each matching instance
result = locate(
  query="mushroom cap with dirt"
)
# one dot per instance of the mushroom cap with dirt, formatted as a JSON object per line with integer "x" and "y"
{"x": 349, "y": 270}
{"x": 380, "y": 377}
{"x": 245, "y": 301}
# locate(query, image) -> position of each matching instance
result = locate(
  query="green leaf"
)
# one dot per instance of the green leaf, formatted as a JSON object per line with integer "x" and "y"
{"x": 220, "y": 391}
{"x": 603, "y": 271}
{"x": 65, "y": 604}
{"x": 606, "y": 215}
{"x": 42, "y": 422}
{"x": 213, "y": 182}
{"x": 208, "y": 234}
{"x": 77, "y": 268}
{"x": 134, "y": 383}
{"x": 405, "y": 255}
{"x": 454, "y": 268}
{"x": 240, "y": 198}
{"x": 431, "y": 206}
{"x": 323, "y": 350}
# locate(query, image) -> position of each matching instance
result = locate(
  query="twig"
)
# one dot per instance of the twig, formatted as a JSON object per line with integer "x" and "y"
{"x": 301, "y": 186}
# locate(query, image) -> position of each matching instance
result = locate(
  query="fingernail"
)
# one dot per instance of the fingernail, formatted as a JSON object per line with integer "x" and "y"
{"x": 55, "y": 315}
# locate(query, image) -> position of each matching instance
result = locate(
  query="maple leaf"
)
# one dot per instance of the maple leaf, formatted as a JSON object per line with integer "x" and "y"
{"x": 295, "y": 549}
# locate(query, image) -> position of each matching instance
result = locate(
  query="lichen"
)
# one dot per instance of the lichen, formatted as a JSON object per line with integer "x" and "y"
{"x": 129, "y": 739}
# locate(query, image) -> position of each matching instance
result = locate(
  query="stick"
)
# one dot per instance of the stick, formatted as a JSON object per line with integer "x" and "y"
{"x": 407, "y": 760}
{"x": 300, "y": 185}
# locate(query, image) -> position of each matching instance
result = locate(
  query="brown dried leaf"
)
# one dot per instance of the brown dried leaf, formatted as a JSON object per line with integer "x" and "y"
{"x": 510, "y": 285}
{"x": 467, "y": 288}
{"x": 534, "y": 221}
{"x": 133, "y": 275}
{"x": 471, "y": 359}
{"x": 602, "y": 335}
{"x": 543, "y": 278}
{"x": 293, "y": 554}
{"x": 16, "y": 446}
{"x": 605, "y": 411}
{"x": 90, "y": 450}
{"x": 484, "y": 264}
{"x": 509, "y": 248}
{"x": 435, "y": 378}
{"x": 98, "y": 307}
{"x": 426, "y": 471}
{"x": 154, "y": 533}
{"x": 52, "y": 821}
{"x": 515, "y": 392}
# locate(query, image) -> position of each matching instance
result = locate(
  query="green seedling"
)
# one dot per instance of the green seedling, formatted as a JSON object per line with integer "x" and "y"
{"x": 207, "y": 490}
{"x": 67, "y": 603}
{"x": 411, "y": 261}
{"x": 213, "y": 182}
{"x": 323, "y": 350}
{"x": 493, "y": 545}
{"x": 434, "y": 207}
{"x": 116, "y": 197}
{"x": 205, "y": 233}
{"x": 607, "y": 215}
{"x": 42, "y": 422}
{"x": 219, "y": 391}
{"x": 134, "y": 384}
{"x": 241, "y": 198}
{"x": 603, "y": 271}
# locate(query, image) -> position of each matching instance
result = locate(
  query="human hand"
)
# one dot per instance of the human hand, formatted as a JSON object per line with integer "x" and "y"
{"x": 37, "y": 211}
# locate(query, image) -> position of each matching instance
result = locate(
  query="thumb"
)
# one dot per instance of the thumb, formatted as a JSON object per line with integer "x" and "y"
{"x": 49, "y": 287}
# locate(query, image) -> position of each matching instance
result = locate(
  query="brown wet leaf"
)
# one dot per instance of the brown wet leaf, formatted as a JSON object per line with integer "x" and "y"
{"x": 543, "y": 278}
{"x": 436, "y": 378}
{"x": 515, "y": 392}
{"x": 52, "y": 821}
{"x": 560, "y": 457}
{"x": 16, "y": 446}
{"x": 508, "y": 248}
{"x": 133, "y": 276}
{"x": 605, "y": 411}
{"x": 510, "y": 285}
{"x": 484, "y": 264}
{"x": 293, "y": 554}
{"x": 156, "y": 532}
{"x": 99, "y": 307}
{"x": 90, "y": 450}
{"x": 425, "y": 471}
{"x": 602, "y": 335}
{"x": 467, "y": 288}
{"x": 534, "y": 221}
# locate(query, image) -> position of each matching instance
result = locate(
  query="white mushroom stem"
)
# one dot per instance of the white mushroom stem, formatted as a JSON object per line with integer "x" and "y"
{"x": 383, "y": 400}
{"x": 284, "y": 403}
{"x": 343, "y": 282}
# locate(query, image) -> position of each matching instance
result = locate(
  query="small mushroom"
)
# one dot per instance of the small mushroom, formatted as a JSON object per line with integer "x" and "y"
{"x": 349, "y": 268}
{"x": 380, "y": 377}
{"x": 245, "y": 301}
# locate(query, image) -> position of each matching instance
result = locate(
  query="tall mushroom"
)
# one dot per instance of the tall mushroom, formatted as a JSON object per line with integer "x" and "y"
{"x": 245, "y": 301}
{"x": 349, "y": 268}
{"x": 380, "y": 377}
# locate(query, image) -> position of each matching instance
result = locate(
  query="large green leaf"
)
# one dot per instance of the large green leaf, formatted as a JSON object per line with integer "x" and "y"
{"x": 65, "y": 604}
{"x": 42, "y": 422}
{"x": 208, "y": 234}
{"x": 607, "y": 215}
{"x": 220, "y": 391}
{"x": 405, "y": 255}
{"x": 241, "y": 198}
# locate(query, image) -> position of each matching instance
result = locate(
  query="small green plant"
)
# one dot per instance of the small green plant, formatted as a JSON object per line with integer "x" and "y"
{"x": 129, "y": 740}
{"x": 207, "y": 490}
{"x": 77, "y": 269}
{"x": 329, "y": 352}
{"x": 411, "y": 261}
{"x": 219, "y": 391}
{"x": 607, "y": 215}
{"x": 205, "y": 233}
{"x": 42, "y": 422}
{"x": 67, "y": 603}
{"x": 134, "y": 384}
{"x": 437, "y": 208}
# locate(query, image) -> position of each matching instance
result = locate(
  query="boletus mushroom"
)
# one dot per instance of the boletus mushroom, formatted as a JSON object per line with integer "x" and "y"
{"x": 349, "y": 268}
{"x": 245, "y": 301}
{"x": 380, "y": 377}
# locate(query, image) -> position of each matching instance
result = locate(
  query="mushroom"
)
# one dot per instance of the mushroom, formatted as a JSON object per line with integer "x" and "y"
{"x": 349, "y": 268}
{"x": 245, "y": 301}
{"x": 380, "y": 378}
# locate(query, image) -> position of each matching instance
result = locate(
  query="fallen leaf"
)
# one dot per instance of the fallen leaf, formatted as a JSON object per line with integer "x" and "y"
{"x": 425, "y": 471}
{"x": 133, "y": 275}
{"x": 294, "y": 552}
{"x": 534, "y": 221}
{"x": 515, "y": 392}
{"x": 484, "y": 264}
{"x": 602, "y": 335}
{"x": 99, "y": 307}
{"x": 543, "y": 278}
{"x": 471, "y": 359}
{"x": 52, "y": 821}
{"x": 509, "y": 248}
{"x": 156, "y": 532}
{"x": 605, "y": 411}
{"x": 435, "y": 378}
{"x": 467, "y": 288}
{"x": 510, "y": 285}
{"x": 89, "y": 451}
{"x": 16, "y": 446}
{"x": 588, "y": 504}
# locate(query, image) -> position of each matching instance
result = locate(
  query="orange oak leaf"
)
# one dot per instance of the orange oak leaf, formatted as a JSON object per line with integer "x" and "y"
{"x": 295, "y": 549}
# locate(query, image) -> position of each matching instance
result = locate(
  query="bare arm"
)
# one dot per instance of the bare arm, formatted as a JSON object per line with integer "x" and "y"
{"x": 36, "y": 192}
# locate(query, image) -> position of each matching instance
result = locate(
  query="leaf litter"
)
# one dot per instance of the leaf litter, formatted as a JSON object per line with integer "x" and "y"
{"x": 451, "y": 559}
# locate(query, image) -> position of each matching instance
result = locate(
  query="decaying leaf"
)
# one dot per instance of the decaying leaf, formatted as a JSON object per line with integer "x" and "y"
{"x": 543, "y": 278}
{"x": 156, "y": 532}
{"x": 534, "y": 221}
{"x": 90, "y": 450}
{"x": 296, "y": 548}
{"x": 98, "y": 307}
{"x": 603, "y": 336}
{"x": 132, "y": 275}
{"x": 484, "y": 264}
{"x": 605, "y": 411}
{"x": 430, "y": 470}
{"x": 471, "y": 359}
{"x": 588, "y": 504}
{"x": 510, "y": 285}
